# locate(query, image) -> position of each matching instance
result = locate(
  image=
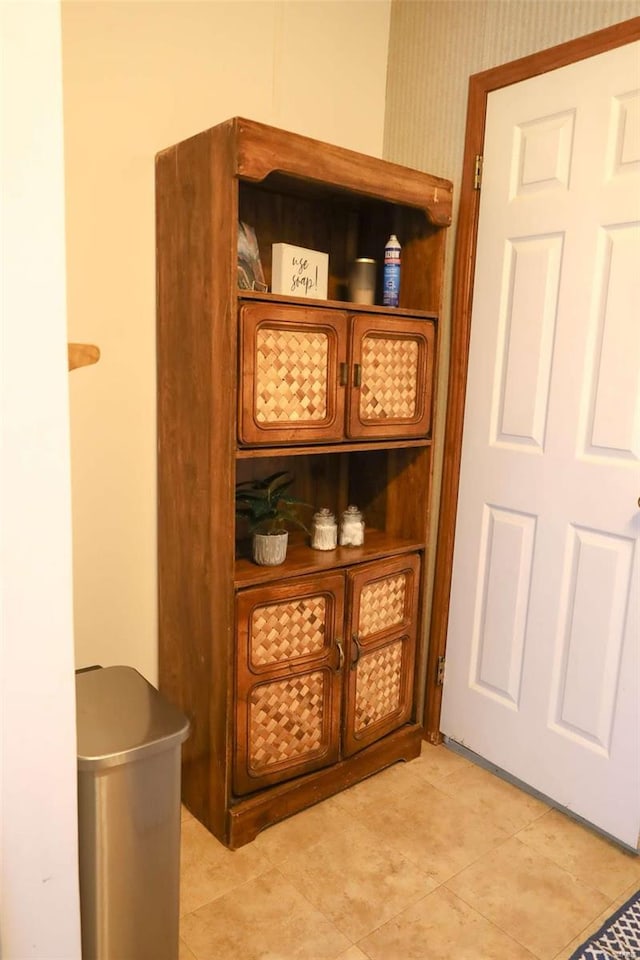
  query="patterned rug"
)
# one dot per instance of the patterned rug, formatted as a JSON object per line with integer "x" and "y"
{"x": 618, "y": 939}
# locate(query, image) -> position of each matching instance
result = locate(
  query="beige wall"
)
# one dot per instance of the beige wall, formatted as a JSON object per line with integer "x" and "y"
{"x": 137, "y": 78}
{"x": 434, "y": 47}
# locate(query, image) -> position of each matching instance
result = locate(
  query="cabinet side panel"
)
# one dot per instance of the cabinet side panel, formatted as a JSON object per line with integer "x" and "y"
{"x": 422, "y": 269}
{"x": 196, "y": 236}
{"x": 409, "y": 492}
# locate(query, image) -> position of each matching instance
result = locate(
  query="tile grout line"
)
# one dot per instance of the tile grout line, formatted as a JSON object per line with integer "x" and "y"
{"x": 317, "y": 909}
{"x": 382, "y": 923}
{"x": 533, "y": 848}
{"x": 234, "y": 889}
{"x": 553, "y": 863}
{"x": 569, "y": 873}
{"x": 494, "y": 923}
{"x": 588, "y": 928}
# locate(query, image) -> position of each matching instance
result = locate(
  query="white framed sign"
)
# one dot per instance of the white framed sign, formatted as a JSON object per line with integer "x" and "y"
{"x": 299, "y": 272}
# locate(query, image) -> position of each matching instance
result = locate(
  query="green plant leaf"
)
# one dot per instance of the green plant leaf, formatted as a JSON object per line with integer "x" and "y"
{"x": 250, "y": 496}
{"x": 267, "y": 505}
{"x": 289, "y": 498}
{"x": 278, "y": 482}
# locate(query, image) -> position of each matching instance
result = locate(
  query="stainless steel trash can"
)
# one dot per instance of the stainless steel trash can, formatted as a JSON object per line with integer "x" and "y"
{"x": 129, "y": 741}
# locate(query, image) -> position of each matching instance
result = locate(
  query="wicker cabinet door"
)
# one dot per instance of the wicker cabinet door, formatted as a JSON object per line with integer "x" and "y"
{"x": 289, "y": 665}
{"x": 392, "y": 377}
{"x": 292, "y": 374}
{"x": 381, "y": 649}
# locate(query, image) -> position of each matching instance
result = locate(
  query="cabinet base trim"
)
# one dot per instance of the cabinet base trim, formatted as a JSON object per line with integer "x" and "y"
{"x": 248, "y": 817}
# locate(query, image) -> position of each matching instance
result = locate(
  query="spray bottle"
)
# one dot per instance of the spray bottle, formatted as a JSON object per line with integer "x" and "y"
{"x": 391, "y": 279}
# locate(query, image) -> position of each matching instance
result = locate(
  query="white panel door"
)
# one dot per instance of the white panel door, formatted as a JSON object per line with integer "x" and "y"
{"x": 542, "y": 648}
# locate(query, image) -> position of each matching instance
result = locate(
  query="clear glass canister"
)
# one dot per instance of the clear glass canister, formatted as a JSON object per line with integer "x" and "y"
{"x": 324, "y": 530}
{"x": 351, "y": 528}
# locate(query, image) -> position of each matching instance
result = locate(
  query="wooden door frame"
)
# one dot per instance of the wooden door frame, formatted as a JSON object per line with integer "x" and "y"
{"x": 480, "y": 86}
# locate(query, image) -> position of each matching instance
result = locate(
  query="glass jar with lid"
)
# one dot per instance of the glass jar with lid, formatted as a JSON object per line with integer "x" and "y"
{"x": 351, "y": 528}
{"x": 324, "y": 530}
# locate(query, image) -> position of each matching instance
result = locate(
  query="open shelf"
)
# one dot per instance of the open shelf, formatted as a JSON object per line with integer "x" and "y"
{"x": 302, "y": 559}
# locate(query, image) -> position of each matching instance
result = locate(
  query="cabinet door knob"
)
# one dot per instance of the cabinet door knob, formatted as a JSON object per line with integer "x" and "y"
{"x": 357, "y": 375}
{"x": 340, "y": 655}
{"x": 343, "y": 375}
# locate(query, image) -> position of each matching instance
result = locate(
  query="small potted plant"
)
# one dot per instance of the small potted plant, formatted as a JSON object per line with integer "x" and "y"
{"x": 268, "y": 507}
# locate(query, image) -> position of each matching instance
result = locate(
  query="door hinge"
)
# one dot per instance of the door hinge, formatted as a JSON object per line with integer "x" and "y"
{"x": 477, "y": 172}
{"x": 440, "y": 671}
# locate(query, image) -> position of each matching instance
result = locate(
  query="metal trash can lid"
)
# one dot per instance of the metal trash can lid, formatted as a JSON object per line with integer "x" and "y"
{"x": 122, "y": 718}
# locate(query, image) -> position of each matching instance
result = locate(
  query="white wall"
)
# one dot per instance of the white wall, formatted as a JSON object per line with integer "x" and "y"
{"x": 39, "y": 910}
{"x": 139, "y": 76}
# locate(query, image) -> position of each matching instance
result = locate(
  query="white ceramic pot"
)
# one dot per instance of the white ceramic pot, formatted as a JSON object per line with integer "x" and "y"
{"x": 270, "y": 549}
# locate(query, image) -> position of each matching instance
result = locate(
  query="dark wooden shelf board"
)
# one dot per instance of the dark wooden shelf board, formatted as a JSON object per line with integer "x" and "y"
{"x": 252, "y": 453}
{"x": 400, "y": 312}
{"x": 301, "y": 559}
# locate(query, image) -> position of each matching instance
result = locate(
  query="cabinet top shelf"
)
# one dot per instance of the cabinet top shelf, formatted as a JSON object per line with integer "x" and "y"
{"x": 301, "y": 559}
{"x": 261, "y": 151}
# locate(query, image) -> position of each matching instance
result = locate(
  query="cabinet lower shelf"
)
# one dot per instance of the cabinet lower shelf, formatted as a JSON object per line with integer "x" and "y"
{"x": 301, "y": 559}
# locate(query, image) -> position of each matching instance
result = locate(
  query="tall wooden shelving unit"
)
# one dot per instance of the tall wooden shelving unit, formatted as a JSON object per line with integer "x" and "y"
{"x": 301, "y": 679}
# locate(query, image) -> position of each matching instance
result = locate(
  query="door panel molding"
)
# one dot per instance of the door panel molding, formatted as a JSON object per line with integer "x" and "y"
{"x": 480, "y": 86}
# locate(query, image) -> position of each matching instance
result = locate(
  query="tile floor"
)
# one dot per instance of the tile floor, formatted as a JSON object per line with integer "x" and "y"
{"x": 436, "y": 859}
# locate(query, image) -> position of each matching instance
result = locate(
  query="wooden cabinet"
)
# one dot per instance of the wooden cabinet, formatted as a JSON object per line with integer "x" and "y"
{"x": 390, "y": 378}
{"x": 381, "y": 634}
{"x": 317, "y": 680}
{"x": 290, "y": 657}
{"x": 309, "y": 375}
{"x": 293, "y": 364}
{"x": 302, "y": 679}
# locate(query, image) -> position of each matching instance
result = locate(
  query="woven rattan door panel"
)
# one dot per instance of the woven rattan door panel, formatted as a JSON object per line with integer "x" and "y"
{"x": 392, "y": 377}
{"x": 381, "y": 654}
{"x": 291, "y": 359}
{"x": 288, "y": 679}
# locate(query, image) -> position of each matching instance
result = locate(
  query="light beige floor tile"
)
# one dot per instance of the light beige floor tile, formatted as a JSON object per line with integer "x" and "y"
{"x": 442, "y": 927}
{"x": 438, "y": 833}
{"x": 355, "y": 879}
{"x": 583, "y": 853}
{"x": 297, "y": 832}
{"x": 353, "y": 953}
{"x": 396, "y": 781}
{"x": 184, "y": 953}
{"x": 208, "y": 869}
{"x": 591, "y": 927}
{"x": 266, "y": 920}
{"x": 500, "y": 802}
{"x": 595, "y": 924}
{"x": 184, "y": 813}
{"x": 529, "y": 897}
{"x": 434, "y": 763}
{"x": 625, "y": 895}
